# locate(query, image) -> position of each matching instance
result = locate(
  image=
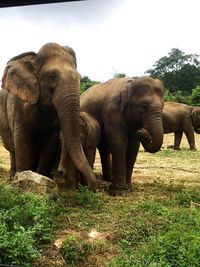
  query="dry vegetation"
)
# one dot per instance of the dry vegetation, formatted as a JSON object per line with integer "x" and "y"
{"x": 100, "y": 230}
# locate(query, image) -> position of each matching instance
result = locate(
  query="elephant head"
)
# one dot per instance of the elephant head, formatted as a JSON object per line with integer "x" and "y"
{"x": 49, "y": 79}
{"x": 144, "y": 110}
{"x": 195, "y": 116}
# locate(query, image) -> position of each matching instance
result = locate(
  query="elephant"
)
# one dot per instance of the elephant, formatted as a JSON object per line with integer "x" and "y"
{"x": 90, "y": 135}
{"x": 129, "y": 111}
{"x": 40, "y": 94}
{"x": 180, "y": 118}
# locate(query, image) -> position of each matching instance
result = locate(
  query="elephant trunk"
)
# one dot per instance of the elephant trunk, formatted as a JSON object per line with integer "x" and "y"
{"x": 151, "y": 136}
{"x": 67, "y": 104}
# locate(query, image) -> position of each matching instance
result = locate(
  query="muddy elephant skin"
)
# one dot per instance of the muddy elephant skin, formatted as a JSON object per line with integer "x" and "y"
{"x": 90, "y": 135}
{"x": 180, "y": 118}
{"x": 41, "y": 91}
{"x": 129, "y": 112}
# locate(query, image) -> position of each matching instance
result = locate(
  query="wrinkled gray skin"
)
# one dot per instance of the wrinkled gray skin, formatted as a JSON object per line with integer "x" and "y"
{"x": 179, "y": 118}
{"x": 129, "y": 112}
{"x": 90, "y": 135}
{"x": 41, "y": 91}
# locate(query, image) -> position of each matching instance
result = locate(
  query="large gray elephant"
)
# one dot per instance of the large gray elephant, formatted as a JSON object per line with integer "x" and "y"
{"x": 180, "y": 118}
{"x": 129, "y": 111}
{"x": 41, "y": 91}
{"x": 90, "y": 135}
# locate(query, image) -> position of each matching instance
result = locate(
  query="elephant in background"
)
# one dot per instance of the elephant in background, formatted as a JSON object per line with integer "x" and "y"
{"x": 181, "y": 118}
{"x": 129, "y": 111}
{"x": 90, "y": 135}
{"x": 41, "y": 92}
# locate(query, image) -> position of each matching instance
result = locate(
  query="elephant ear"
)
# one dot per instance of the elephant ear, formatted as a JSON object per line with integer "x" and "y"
{"x": 125, "y": 94}
{"x": 194, "y": 115}
{"x": 20, "y": 79}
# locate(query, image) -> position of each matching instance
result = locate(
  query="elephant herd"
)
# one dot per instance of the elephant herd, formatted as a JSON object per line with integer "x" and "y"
{"x": 46, "y": 124}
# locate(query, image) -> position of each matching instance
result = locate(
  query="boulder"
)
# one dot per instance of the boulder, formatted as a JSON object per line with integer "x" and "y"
{"x": 34, "y": 182}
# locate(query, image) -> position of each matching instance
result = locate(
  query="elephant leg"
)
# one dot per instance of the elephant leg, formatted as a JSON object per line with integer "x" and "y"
{"x": 131, "y": 155}
{"x": 48, "y": 154}
{"x": 189, "y": 132}
{"x": 177, "y": 140}
{"x": 117, "y": 141}
{"x": 105, "y": 160}
{"x": 23, "y": 149}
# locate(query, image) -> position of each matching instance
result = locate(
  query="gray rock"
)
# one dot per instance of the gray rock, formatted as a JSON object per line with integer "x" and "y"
{"x": 34, "y": 182}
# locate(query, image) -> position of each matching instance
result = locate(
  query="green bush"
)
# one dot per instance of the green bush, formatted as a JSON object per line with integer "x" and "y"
{"x": 195, "y": 96}
{"x": 177, "y": 96}
{"x": 86, "y": 83}
{"x": 26, "y": 222}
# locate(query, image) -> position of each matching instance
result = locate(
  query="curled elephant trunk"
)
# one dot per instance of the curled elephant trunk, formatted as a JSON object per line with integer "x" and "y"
{"x": 151, "y": 136}
{"x": 67, "y": 105}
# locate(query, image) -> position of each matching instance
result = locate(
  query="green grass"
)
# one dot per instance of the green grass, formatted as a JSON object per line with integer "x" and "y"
{"x": 26, "y": 222}
{"x": 148, "y": 232}
{"x": 157, "y": 225}
{"x": 158, "y": 228}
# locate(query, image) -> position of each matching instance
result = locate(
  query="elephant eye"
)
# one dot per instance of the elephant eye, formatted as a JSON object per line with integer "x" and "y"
{"x": 53, "y": 76}
{"x": 145, "y": 106}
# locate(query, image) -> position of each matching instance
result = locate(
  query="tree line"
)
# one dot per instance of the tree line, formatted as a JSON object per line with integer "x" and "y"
{"x": 179, "y": 72}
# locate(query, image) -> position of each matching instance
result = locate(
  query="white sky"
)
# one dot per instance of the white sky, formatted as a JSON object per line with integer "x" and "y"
{"x": 108, "y": 36}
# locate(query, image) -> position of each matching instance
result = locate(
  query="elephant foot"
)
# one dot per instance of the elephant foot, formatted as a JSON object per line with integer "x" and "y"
{"x": 171, "y": 146}
{"x": 130, "y": 189}
{"x": 107, "y": 178}
{"x": 11, "y": 175}
{"x": 118, "y": 190}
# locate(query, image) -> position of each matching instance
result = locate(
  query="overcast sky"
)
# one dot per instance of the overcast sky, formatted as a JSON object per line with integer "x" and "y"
{"x": 108, "y": 36}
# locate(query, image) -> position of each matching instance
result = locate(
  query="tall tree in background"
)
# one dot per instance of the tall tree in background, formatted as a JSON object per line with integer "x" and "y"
{"x": 178, "y": 71}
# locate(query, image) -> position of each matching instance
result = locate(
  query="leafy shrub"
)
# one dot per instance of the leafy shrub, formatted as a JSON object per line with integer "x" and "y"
{"x": 26, "y": 222}
{"x": 86, "y": 83}
{"x": 195, "y": 96}
{"x": 177, "y": 96}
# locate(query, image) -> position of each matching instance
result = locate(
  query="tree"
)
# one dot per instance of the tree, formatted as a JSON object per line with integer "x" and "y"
{"x": 178, "y": 71}
{"x": 86, "y": 83}
{"x": 119, "y": 75}
{"x": 195, "y": 96}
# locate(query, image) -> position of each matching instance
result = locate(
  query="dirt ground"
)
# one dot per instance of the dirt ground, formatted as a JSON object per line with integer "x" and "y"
{"x": 152, "y": 166}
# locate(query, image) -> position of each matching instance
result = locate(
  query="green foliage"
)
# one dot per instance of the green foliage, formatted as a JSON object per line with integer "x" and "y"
{"x": 143, "y": 231}
{"x": 176, "y": 243}
{"x": 119, "y": 75}
{"x": 194, "y": 99}
{"x": 86, "y": 83}
{"x": 186, "y": 195}
{"x": 178, "y": 71}
{"x": 86, "y": 198}
{"x": 26, "y": 222}
{"x": 75, "y": 251}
